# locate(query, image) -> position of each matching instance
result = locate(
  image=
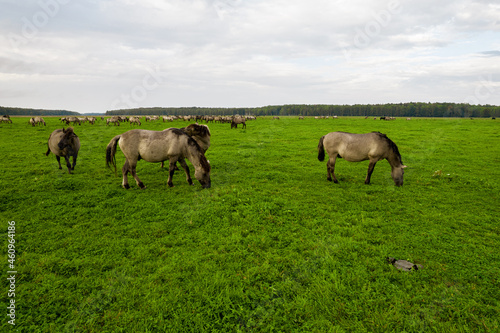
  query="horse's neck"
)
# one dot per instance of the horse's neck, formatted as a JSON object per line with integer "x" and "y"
{"x": 194, "y": 156}
{"x": 205, "y": 143}
{"x": 394, "y": 160}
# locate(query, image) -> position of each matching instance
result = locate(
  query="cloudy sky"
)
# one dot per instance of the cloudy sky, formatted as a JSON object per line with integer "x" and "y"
{"x": 98, "y": 55}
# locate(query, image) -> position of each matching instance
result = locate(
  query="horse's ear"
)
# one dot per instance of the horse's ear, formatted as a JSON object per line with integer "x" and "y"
{"x": 64, "y": 130}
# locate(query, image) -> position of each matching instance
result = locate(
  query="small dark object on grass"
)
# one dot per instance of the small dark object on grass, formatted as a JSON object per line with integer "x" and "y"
{"x": 403, "y": 265}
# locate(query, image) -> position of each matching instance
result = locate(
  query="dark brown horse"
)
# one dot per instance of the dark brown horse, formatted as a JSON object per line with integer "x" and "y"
{"x": 65, "y": 143}
{"x": 157, "y": 146}
{"x": 373, "y": 146}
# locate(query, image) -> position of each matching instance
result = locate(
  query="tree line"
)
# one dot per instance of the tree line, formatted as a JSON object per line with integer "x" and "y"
{"x": 370, "y": 110}
{"x": 35, "y": 112}
{"x": 360, "y": 110}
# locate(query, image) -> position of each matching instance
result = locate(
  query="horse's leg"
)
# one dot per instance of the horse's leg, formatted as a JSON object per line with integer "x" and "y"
{"x": 68, "y": 163}
{"x": 58, "y": 158}
{"x": 134, "y": 174}
{"x": 125, "y": 171}
{"x": 74, "y": 162}
{"x": 186, "y": 170}
{"x": 171, "y": 171}
{"x": 330, "y": 168}
{"x": 371, "y": 166}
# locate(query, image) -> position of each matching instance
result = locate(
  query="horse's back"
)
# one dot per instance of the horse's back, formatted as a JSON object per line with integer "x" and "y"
{"x": 151, "y": 146}
{"x": 354, "y": 147}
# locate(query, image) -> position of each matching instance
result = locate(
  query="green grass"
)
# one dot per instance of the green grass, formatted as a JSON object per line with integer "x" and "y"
{"x": 271, "y": 247}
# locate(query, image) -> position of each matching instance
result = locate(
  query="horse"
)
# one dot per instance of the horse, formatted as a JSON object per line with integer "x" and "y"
{"x": 134, "y": 120}
{"x": 157, "y": 146}
{"x": 373, "y": 146}
{"x": 74, "y": 120}
{"x": 65, "y": 143}
{"x": 37, "y": 121}
{"x": 200, "y": 134}
{"x": 114, "y": 119}
{"x": 238, "y": 120}
{"x": 5, "y": 119}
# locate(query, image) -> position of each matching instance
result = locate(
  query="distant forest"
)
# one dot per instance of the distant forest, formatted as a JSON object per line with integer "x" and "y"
{"x": 375, "y": 110}
{"x": 378, "y": 110}
{"x": 34, "y": 112}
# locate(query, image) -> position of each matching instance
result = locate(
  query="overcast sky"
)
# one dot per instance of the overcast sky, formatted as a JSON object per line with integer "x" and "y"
{"x": 99, "y": 55}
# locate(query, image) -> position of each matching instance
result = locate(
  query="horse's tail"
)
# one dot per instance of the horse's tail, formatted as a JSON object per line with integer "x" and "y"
{"x": 321, "y": 150}
{"x": 111, "y": 151}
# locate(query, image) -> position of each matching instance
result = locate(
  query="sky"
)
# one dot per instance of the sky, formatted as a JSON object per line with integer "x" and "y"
{"x": 98, "y": 55}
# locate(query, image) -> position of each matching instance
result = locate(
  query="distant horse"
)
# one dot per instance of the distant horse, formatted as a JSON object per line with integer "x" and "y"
{"x": 37, "y": 121}
{"x": 238, "y": 120}
{"x": 65, "y": 143}
{"x": 157, "y": 146}
{"x": 74, "y": 120}
{"x": 373, "y": 146}
{"x": 114, "y": 119}
{"x": 134, "y": 120}
{"x": 5, "y": 119}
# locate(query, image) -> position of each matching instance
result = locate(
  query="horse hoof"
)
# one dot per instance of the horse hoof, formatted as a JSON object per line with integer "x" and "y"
{"x": 127, "y": 186}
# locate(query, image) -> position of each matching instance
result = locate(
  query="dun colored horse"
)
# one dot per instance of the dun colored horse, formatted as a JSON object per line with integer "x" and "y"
{"x": 373, "y": 146}
{"x": 65, "y": 143}
{"x": 37, "y": 121}
{"x": 157, "y": 146}
{"x": 238, "y": 120}
{"x": 200, "y": 134}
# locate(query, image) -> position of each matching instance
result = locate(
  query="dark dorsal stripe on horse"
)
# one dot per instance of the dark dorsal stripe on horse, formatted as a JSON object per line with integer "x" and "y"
{"x": 373, "y": 146}
{"x": 391, "y": 144}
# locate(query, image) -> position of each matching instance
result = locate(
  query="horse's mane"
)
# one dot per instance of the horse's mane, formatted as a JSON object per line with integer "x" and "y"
{"x": 68, "y": 130}
{"x": 391, "y": 145}
{"x": 192, "y": 142}
{"x": 196, "y": 129}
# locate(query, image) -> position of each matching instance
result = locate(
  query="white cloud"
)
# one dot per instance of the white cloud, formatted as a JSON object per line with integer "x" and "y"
{"x": 84, "y": 55}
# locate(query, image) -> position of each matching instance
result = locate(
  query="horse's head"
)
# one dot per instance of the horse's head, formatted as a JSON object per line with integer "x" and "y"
{"x": 397, "y": 174}
{"x": 67, "y": 141}
{"x": 197, "y": 130}
{"x": 202, "y": 173}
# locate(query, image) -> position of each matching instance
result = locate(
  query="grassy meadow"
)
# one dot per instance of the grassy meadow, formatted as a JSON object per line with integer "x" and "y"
{"x": 271, "y": 247}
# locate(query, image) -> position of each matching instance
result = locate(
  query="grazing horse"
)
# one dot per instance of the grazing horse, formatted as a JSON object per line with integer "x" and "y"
{"x": 134, "y": 120}
{"x": 74, "y": 120}
{"x": 5, "y": 119}
{"x": 373, "y": 146}
{"x": 200, "y": 134}
{"x": 157, "y": 146}
{"x": 238, "y": 120}
{"x": 37, "y": 121}
{"x": 64, "y": 142}
{"x": 114, "y": 119}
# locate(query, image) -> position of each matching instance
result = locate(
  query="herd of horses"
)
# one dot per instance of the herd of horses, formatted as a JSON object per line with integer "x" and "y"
{"x": 191, "y": 142}
{"x": 135, "y": 120}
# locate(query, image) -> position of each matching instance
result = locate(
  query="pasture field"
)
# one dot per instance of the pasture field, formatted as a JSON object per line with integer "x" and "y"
{"x": 271, "y": 247}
